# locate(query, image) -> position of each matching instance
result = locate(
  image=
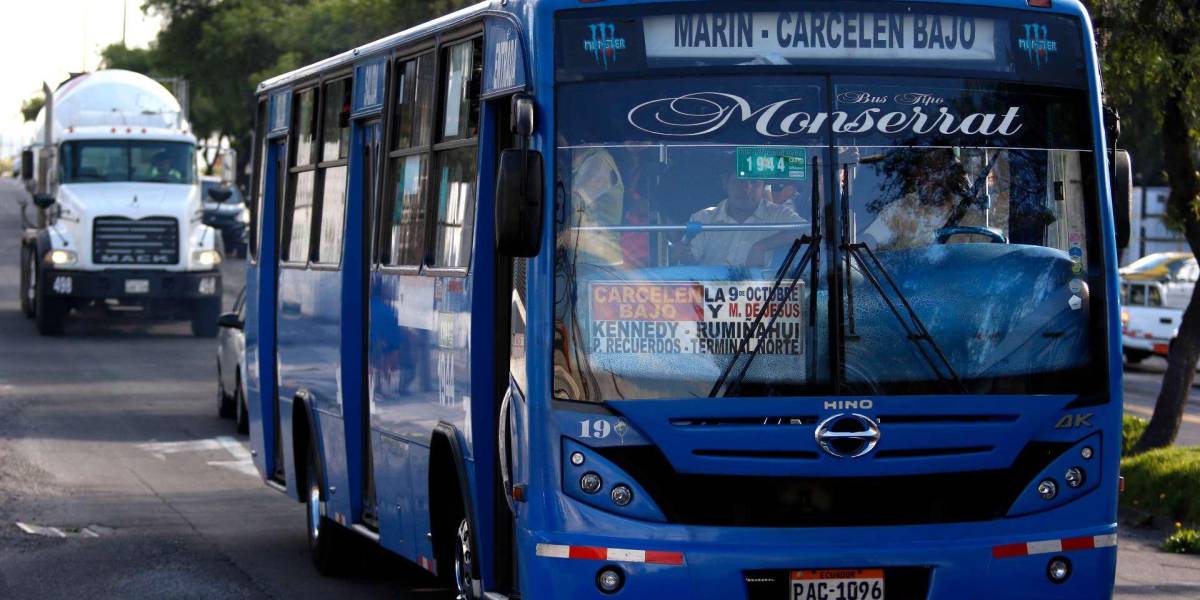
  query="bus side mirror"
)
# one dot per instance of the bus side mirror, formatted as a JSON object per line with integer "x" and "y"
{"x": 1122, "y": 190}
{"x": 520, "y": 203}
{"x": 42, "y": 201}
{"x": 27, "y": 165}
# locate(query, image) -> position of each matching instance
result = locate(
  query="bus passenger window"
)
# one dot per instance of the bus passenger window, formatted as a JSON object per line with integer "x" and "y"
{"x": 404, "y": 212}
{"x": 298, "y": 208}
{"x": 329, "y": 214}
{"x": 456, "y": 157}
{"x": 402, "y": 208}
{"x": 461, "y": 119}
{"x": 455, "y": 206}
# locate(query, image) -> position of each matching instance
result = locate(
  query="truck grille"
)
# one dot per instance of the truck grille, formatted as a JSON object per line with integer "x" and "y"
{"x": 122, "y": 241}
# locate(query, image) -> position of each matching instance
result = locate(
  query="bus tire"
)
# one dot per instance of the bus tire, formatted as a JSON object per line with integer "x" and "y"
{"x": 450, "y": 520}
{"x": 28, "y": 287}
{"x": 327, "y": 542}
{"x": 49, "y": 313}
{"x": 204, "y": 318}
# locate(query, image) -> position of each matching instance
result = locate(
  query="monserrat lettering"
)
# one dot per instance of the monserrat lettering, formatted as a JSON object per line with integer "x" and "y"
{"x": 705, "y": 113}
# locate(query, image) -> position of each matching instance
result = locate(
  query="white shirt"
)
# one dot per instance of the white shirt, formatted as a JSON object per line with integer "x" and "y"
{"x": 733, "y": 247}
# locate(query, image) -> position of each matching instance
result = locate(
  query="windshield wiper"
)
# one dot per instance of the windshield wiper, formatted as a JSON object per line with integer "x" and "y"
{"x": 756, "y": 332}
{"x": 914, "y": 329}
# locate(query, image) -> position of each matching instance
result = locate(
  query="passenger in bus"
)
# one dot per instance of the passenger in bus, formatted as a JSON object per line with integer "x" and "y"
{"x": 920, "y": 191}
{"x": 597, "y": 200}
{"x": 745, "y": 203}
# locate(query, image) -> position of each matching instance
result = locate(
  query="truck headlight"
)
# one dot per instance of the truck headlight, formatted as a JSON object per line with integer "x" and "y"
{"x": 61, "y": 257}
{"x": 206, "y": 258}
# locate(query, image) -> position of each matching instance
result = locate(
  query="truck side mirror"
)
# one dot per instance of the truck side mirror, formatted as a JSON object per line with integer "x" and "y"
{"x": 220, "y": 194}
{"x": 520, "y": 203}
{"x": 1122, "y": 190}
{"x": 42, "y": 201}
{"x": 27, "y": 164}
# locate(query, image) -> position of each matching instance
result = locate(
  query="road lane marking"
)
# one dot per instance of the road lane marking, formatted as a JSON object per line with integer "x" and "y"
{"x": 243, "y": 461}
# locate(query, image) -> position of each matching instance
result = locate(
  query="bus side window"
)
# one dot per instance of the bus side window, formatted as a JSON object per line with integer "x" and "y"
{"x": 297, "y": 211}
{"x": 402, "y": 214}
{"x": 455, "y": 155}
{"x": 330, "y": 208}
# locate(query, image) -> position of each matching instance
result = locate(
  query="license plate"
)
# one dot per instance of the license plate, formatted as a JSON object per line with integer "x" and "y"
{"x": 137, "y": 286}
{"x": 837, "y": 584}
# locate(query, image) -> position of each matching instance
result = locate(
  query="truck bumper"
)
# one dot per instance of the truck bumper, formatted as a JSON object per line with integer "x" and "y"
{"x": 1157, "y": 346}
{"x": 131, "y": 285}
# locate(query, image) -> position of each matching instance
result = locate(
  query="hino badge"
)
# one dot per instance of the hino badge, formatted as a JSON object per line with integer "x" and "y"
{"x": 119, "y": 217}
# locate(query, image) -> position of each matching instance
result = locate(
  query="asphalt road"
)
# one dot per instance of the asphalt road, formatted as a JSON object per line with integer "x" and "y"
{"x": 110, "y": 434}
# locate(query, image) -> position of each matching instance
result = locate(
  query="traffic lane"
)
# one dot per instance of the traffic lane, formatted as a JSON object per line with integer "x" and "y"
{"x": 112, "y": 428}
{"x": 1142, "y": 384}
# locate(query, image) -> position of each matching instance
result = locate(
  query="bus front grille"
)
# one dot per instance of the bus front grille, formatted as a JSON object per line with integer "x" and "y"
{"x": 788, "y": 501}
{"x": 142, "y": 242}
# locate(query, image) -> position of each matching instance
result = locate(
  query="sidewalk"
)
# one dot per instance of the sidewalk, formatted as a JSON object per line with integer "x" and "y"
{"x": 1146, "y": 573}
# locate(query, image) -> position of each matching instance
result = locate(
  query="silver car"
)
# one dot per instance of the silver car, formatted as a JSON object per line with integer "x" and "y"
{"x": 231, "y": 352}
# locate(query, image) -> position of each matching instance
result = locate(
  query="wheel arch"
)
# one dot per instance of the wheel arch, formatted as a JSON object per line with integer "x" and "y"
{"x": 447, "y": 478}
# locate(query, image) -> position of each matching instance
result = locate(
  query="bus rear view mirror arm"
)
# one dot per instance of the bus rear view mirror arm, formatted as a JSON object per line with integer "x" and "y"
{"x": 520, "y": 203}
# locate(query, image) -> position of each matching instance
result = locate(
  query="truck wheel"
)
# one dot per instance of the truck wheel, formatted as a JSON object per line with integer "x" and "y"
{"x": 49, "y": 313}
{"x": 204, "y": 318}
{"x": 1134, "y": 357}
{"x": 28, "y": 280}
{"x": 327, "y": 541}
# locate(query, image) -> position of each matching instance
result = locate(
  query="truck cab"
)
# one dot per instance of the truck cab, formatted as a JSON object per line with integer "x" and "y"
{"x": 119, "y": 218}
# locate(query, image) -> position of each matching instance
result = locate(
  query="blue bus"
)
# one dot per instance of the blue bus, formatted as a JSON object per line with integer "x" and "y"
{"x": 578, "y": 299}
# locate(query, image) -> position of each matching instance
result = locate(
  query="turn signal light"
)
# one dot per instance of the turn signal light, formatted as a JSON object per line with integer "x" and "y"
{"x": 1039, "y": 3}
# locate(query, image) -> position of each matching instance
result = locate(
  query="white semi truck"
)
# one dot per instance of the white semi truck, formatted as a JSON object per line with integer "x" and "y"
{"x": 118, "y": 210}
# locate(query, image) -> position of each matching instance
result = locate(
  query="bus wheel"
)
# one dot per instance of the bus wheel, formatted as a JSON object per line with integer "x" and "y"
{"x": 28, "y": 280}
{"x": 326, "y": 540}
{"x": 463, "y": 562}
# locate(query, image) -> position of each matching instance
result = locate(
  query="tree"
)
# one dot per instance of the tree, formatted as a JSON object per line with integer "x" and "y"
{"x": 31, "y": 107}
{"x": 1151, "y": 59}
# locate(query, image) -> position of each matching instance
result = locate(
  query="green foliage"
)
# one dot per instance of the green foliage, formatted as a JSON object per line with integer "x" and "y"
{"x": 225, "y": 48}
{"x": 1132, "y": 429}
{"x": 31, "y": 107}
{"x": 1165, "y": 482}
{"x": 1183, "y": 541}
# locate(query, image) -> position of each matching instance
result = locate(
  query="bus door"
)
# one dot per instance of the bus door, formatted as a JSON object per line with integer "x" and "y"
{"x": 370, "y": 142}
{"x": 263, "y": 407}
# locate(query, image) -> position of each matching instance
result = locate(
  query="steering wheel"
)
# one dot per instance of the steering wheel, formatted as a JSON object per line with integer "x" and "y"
{"x": 944, "y": 234}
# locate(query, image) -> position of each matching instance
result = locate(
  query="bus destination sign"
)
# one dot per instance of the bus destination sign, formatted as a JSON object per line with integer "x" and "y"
{"x": 845, "y": 35}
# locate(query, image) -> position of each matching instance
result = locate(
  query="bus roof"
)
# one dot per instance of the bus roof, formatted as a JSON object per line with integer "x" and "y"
{"x": 350, "y": 56}
{"x": 449, "y": 21}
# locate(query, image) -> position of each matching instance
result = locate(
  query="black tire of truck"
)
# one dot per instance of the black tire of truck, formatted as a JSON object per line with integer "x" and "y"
{"x": 49, "y": 313}
{"x": 28, "y": 277}
{"x": 204, "y": 318}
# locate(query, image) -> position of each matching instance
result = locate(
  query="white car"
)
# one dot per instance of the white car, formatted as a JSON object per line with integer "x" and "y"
{"x": 1155, "y": 290}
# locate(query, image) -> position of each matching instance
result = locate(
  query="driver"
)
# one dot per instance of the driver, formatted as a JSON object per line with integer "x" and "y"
{"x": 163, "y": 168}
{"x": 745, "y": 203}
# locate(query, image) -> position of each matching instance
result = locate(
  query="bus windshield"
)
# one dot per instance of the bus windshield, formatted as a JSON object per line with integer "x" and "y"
{"x": 142, "y": 161}
{"x": 806, "y": 234}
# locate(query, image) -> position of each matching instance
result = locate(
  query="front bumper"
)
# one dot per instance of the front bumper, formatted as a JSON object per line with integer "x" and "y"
{"x": 146, "y": 285}
{"x": 946, "y": 568}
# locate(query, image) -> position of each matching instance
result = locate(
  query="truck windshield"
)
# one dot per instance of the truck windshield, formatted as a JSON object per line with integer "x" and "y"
{"x": 140, "y": 161}
{"x": 938, "y": 233}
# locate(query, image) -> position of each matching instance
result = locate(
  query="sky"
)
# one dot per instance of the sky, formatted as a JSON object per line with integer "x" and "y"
{"x": 45, "y": 40}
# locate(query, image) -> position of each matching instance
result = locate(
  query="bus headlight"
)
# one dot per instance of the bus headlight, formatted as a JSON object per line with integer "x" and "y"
{"x": 206, "y": 258}
{"x": 61, "y": 257}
